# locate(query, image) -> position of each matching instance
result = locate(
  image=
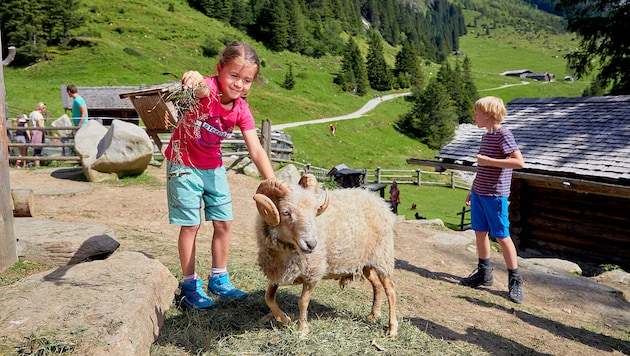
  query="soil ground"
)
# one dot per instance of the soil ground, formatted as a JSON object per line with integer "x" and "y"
{"x": 562, "y": 314}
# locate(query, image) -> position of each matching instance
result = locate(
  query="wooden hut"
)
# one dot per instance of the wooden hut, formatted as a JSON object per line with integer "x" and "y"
{"x": 572, "y": 199}
{"x": 104, "y": 103}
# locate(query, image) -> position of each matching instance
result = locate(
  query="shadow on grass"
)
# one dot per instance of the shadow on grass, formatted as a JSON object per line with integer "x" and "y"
{"x": 492, "y": 343}
{"x": 195, "y": 330}
{"x": 595, "y": 340}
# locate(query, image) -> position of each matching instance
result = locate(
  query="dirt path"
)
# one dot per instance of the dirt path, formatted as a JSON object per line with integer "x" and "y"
{"x": 561, "y": 314}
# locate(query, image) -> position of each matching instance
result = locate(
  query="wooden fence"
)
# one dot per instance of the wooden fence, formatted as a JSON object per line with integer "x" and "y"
{"x": 453, "y": 179}
{"x": 61, "y": 148}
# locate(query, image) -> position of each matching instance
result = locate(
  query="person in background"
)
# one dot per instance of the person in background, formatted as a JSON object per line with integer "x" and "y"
{"x": 394, "y": 197}
{"x": 196, "y": 176}
{"x": 36, "y": 119}
{"x": 22, "y": 136}
{"x": 488, "y": 199}
{"x": 333, "y": 129}
{"x": 79, "y": 106}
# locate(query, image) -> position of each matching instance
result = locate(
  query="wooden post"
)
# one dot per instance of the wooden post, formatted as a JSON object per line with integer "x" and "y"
{"x": 8, "y": 245}
{"x": 265, "y": 132}
{"x": 419, "y": 174}
{"x": 378, "y": 175}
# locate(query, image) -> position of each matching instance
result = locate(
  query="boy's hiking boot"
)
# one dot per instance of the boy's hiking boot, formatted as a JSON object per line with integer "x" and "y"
{"x": 481, "y": 276}
{"x": 220, "y": 285}
{"x": 515, "y": 290}
{"x": 193, "y": 296}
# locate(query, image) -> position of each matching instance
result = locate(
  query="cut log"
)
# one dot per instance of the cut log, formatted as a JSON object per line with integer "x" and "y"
{"x": 23, "y": 203}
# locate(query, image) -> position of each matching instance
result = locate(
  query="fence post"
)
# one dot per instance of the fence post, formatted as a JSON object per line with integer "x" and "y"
{"x": 265, "y": 132}
{"x": 452, "y": 180}
{"x": 378, "y": 175}
{"x": 419, "y": 174}
{"x": 8, "y": 245}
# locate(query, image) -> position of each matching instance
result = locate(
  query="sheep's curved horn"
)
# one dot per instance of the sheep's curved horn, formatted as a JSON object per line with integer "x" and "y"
{"x": 308, "y": 181}
{"x": 267, "y": 209}
{"x": 324, "y": 205}
{"x": 274, "y": 188}
{"x": 269, "y": 192}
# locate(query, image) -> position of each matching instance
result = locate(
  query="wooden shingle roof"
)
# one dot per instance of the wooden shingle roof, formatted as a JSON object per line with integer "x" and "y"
{"x": 583, "y": 137}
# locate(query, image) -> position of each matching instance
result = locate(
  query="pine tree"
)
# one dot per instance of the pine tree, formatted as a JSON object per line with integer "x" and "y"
{"x": 438, "y": 118}
{"x": 378, "y": 73}
{"x": 408, "y": 71}
{"x": 289, "y": 80}
{"x": 353, "y": 75}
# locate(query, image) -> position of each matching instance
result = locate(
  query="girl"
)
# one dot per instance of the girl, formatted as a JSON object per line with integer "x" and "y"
{"x": 195, "y": 171}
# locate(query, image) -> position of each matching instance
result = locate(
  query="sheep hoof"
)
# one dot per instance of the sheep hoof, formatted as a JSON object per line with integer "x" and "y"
{"x": 392, "y": 331}
{"x": 373, "y": 317}
{"x": 303, "y": 328}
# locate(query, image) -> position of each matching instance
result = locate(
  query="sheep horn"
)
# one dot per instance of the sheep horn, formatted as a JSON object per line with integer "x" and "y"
{"x": 324, "y": 205}
{"x": 309, "y": 181}
{"x": 267, "y": 209}
{"x": 267, "y": 196}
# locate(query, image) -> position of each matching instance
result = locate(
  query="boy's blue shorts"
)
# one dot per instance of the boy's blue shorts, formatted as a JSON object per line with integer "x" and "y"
{"x": 186, "y": 189}
{"x": 488, "y": 213}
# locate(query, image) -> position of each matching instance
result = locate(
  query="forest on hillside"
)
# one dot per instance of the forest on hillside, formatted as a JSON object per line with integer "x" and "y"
{"x": 313, "y": 27}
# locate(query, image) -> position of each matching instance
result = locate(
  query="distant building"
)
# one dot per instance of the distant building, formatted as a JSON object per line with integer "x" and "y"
{"x": 516, "y": 73}
{"x": 540, "y": 76}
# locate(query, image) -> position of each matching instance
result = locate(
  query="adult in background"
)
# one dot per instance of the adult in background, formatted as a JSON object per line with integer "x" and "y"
{"x": 22, "y": 136}
{"x": 79, "y": 106}
{"x": 36, "y": 119}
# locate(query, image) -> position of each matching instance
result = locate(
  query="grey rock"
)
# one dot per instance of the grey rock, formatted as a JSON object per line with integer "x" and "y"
{"x": 59, "y": 243}
{"x": 126, "y": 149}
{"x": 109, "y": 307}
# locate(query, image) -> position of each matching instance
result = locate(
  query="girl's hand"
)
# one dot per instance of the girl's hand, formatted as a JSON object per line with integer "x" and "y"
{"x": 191, "y": 79}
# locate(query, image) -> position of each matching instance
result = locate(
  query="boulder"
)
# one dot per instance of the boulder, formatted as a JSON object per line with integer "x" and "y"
{"x": 86, "y": 142}
{"x": 60, "y": 243}
{"x": 109, "y": 307}
{"x": 126, "y": 149}
{"x": 123, "y": 149}
{"x": 289, "y": 173}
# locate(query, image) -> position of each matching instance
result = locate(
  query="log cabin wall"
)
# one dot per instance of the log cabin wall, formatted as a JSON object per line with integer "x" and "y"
{"x": 570, "y": 225}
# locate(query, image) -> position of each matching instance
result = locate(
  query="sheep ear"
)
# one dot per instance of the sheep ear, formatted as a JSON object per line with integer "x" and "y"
{"x": 267, "y": 209}
{"x": 308, "y": 181}
{"x": 324, "y": 205}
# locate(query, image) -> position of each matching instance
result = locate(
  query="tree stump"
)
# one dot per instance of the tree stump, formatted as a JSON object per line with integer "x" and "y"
{"x": 23, "y": 204}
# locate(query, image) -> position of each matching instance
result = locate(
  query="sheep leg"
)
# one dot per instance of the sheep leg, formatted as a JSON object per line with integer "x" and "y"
{"x": 303, "y": 302}
{"x": 390, "y": 291}
{"x": 377, "y": 290}
{"x": 270, "y": 299}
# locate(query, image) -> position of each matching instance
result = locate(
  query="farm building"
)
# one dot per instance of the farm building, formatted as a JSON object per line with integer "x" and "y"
{"x": 528, "y": 74}
{"x": 105, "y": 103}
{"x": 572, "y": 199}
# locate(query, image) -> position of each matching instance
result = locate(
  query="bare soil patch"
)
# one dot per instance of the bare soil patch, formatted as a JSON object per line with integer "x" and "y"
{"x": 561, "y": 313}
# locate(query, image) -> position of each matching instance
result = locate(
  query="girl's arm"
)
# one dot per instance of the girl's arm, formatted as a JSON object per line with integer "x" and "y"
{"x": 258, "y": 154}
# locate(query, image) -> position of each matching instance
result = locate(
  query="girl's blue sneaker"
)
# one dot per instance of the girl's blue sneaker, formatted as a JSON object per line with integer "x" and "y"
{"x": 220, "y": 285}
{"x": 194, "y": 297}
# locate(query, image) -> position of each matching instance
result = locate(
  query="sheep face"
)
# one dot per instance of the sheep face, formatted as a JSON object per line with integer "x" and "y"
{"x": 297, "y": 220}
{"x": 290, "y": 211}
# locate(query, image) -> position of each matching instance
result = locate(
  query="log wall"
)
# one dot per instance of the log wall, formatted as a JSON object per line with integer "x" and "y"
{"x": 577, "y": 226}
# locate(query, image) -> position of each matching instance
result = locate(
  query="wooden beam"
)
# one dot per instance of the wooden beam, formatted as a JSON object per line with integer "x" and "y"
{"x": 542, "y": 180}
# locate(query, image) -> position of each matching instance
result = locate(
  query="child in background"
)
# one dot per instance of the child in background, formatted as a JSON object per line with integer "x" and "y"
{"x": 488, "y": 199}
{"x": 196, "y": 177}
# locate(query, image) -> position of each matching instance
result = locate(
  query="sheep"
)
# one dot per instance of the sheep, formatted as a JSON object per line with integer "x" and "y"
{"x": 300, "y": 241}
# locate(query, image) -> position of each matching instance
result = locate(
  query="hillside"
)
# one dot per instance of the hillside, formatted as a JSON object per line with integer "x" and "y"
{"x": 138, "y": 42}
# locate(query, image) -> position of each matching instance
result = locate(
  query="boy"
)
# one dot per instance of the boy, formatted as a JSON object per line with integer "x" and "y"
{"x": 488, "y": 199}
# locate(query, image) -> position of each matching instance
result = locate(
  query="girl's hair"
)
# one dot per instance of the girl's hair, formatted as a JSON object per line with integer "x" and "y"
{"x": 492, "y": 106}
{"x": 240, "y": 51}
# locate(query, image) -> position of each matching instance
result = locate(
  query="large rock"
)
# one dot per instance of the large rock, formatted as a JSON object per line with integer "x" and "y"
{"x": 125, "y": 150}
{"x": 59, "y": 243}
{"x": 109, "y": 307}
{"x": 86, "y": 142}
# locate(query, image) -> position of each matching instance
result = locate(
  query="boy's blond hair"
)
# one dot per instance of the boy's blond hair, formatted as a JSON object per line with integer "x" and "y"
{"x": 492, "y": 106}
